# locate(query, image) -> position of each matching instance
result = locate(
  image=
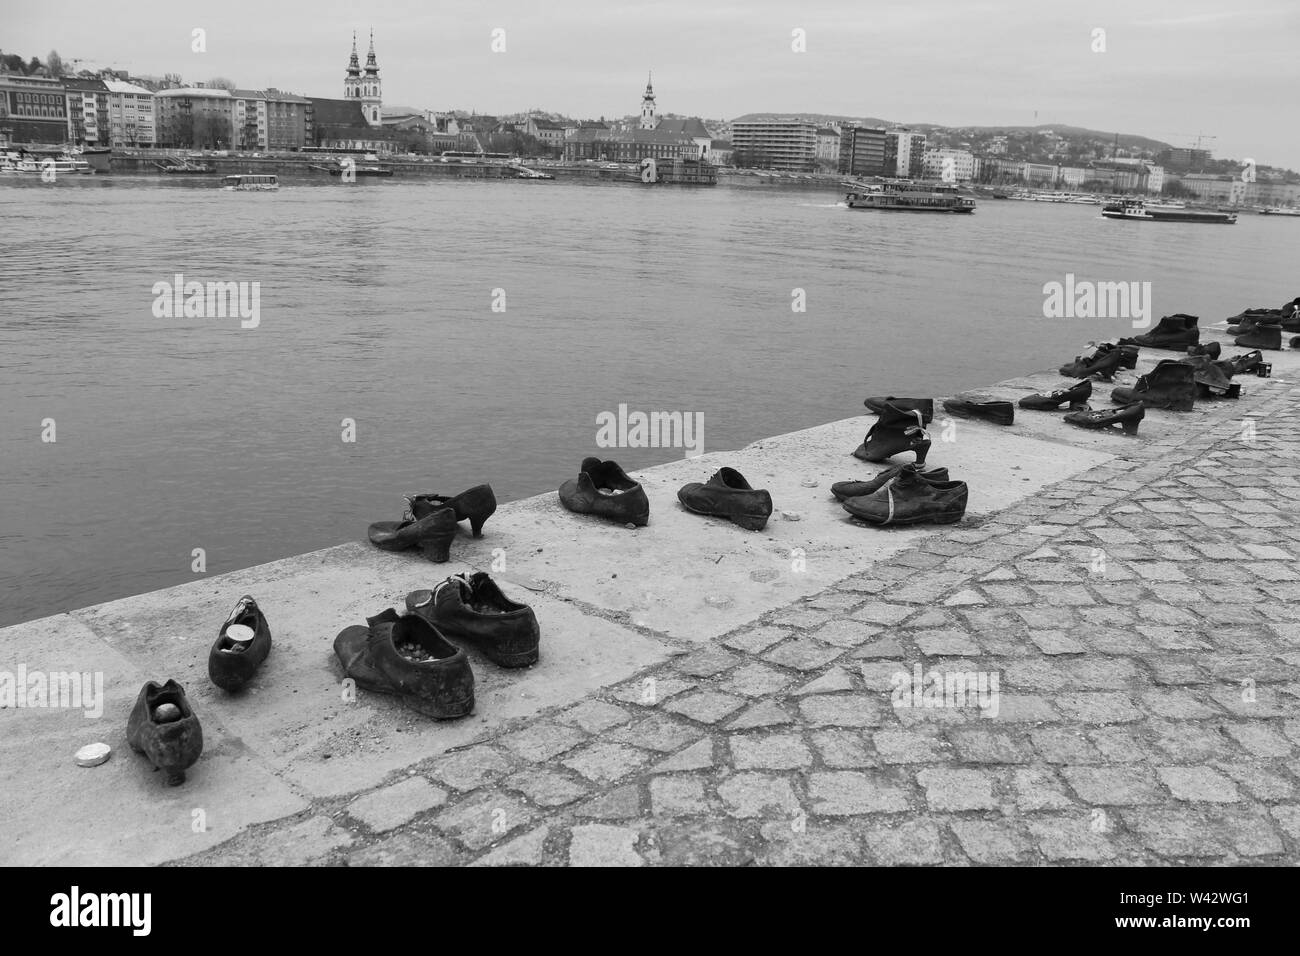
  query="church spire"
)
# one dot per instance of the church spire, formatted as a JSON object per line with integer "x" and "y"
{"x": 648, "y": 118}
{"x": 371, "y": 66}
{"x": 354, "y": 65}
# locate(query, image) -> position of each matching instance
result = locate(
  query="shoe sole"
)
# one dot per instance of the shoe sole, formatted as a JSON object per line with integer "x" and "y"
{"x": 748, "y": 522}
{"x": 924, "y": 519}
{"x": 458, "y": 709}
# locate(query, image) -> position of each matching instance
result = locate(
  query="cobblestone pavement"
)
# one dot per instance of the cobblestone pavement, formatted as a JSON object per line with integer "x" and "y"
{"x": 1141, "y": 623}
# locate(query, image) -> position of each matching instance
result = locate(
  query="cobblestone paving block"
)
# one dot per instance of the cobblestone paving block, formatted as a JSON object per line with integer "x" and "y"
{"x": 758, "y": 794}
{"x": 1114, "y": 786}
{"x": 469, "y": 769}
{"x": 593, "y": 716}
{"x": 756, "y": 639}
{"x": 775, "y": 751}
{"x": 992, "y": 841}
{"x": 660, "y": 732}
{"x": 605, "y": 762}
{"x": 546, "y": 787}
{"x": 405, "y": 848}
{"x": 705, "y": 706}
{"x": 1071, "y": 838}
{"x": 1038, "y": 788}
{"x": 703, "y": 843}
{"x": 842, "y": 710}
{"x": 755, "y": 680}
{"x": 1200, "y": 784}
{"x": 526, "y": 850}
{"x": 849, "y": 792}
{"x": 798, "y": 842}
{"x": 599, "y": 844}
{"x": 802, "y": 654}
{"x": 543, "y": 741}
{"x": 952, "y": 789}
{"x": 843, "y": 749}
{"x": 483, "y": 819}
{"x": 678, "y": 795}
{"x": 913, "y": 843}
{"x": 391, "y": 806}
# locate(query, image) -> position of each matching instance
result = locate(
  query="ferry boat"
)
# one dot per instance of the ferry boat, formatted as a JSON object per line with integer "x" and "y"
{"x": 62, "y": 166}
{"x": 1279, "y": 211}
{"x": 1137, "y": 210}
{"x": 910, "y": 197}
{"x": 250, "y": 183}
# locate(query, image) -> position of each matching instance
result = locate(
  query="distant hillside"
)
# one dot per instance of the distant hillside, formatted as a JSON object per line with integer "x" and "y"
{"x": 1129, "y": 140}
{"x": 821, "y": 119}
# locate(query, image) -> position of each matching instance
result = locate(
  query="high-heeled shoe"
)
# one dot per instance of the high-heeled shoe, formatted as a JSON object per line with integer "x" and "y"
{"x": 896, "y": 431}
{"x": 432, "y": 534}
{"x": 923, "y": 405}
{"x": 1076, "y": 394}
{"x": 1128, "y": 418}
{"x": 477, "y": 504}
{"x": 1210, "y": 349}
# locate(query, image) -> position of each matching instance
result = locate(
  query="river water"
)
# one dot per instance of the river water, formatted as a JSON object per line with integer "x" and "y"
{"x": 376, "y": 305}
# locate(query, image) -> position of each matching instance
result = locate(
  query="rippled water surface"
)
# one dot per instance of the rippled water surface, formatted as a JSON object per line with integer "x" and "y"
{"x": 175, "y": 434}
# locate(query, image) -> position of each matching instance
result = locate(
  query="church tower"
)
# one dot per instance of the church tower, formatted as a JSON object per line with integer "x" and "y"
{"x": 648, "y": 118}
{"x": 352, "y": 82}
{"x": 371, "y": 87}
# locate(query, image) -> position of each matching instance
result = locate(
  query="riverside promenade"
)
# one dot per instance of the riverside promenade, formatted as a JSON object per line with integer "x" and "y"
{"x": 713, "y": 696}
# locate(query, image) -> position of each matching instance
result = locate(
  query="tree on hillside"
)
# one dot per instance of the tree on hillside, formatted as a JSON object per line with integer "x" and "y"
{"x": 221, "y": 83}
{"x": 33, "y": 67}
{"x": 54, "y": 63}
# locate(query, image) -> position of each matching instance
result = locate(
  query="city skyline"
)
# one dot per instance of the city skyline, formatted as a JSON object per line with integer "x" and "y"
{"x": 1172, "y": 72}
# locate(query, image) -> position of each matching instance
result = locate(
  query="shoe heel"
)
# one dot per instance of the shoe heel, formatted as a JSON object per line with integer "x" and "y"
{"x": 1130, "y": 425}
{"x": 750, "y": 522}
{"x": 922, "y": 448}
{"x": 476, "y": 526}
{"x": 438, "y": 550}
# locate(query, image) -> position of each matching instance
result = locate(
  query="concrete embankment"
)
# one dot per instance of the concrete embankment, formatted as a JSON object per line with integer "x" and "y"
{"x": 612, "y": 603}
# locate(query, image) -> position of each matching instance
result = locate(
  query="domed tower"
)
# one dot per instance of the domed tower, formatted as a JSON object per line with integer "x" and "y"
{"x": 352, "y": 81}
{"x": 372, "y": 88}
{"x": 648, "y": 118}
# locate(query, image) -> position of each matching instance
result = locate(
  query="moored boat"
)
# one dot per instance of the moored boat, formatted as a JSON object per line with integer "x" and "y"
{"x": 1140, "y": 211}
{"x": 1279, "y": 211}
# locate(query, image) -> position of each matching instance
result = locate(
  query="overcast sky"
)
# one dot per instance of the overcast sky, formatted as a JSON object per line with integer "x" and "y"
{"x": 1172, "y": 69}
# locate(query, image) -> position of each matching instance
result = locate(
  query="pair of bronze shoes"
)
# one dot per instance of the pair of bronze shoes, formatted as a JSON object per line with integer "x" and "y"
{"x": 430, "y": 522}
{"x": 415, "y": 656}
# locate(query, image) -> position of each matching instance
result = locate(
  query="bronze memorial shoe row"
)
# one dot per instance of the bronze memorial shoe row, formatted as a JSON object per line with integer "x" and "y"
{"x": 413, "y": 655}
{"x": 430, "y": 522}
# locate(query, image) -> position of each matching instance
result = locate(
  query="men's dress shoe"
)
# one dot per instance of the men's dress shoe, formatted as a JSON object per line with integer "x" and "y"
{"x": 1261, "y": 337}
{"x": 843, "y": 490}
{"x": 1077, "y": 394}
{"x": 1241, "y": 364}
{"x": 1210, "y": 350}
{"x": 728, "y": 495}
{"x": 604, "y": 489}
{"x": 896, "y": 431}
{"x": 242, "y": 644}
{"x": 163, "y": 728}
{"x": 477, "y": 504}
{"x": 432, "y": 534}
{"x": 1176, "y": 331}
{"x": 1128, "y": 418}
{"x": 439, "y": 684}
{"x": 1211, "y": 380}
{"x": 1105, "y": 361}
{"x": 923, "y": 405}
{"x": 910, "y": 499}
{"x": 1243, "y": 323}
{"x": 1170, "y": 385}
{"x": 471, "y": 608}
{"x": 999, "y": 413}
